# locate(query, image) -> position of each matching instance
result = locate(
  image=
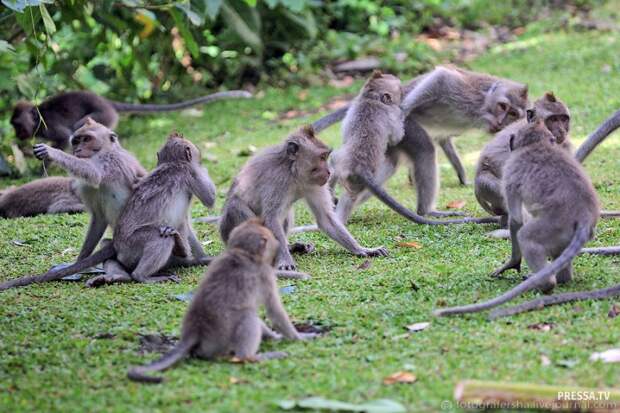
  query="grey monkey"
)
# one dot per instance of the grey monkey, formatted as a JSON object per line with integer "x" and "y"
{"x": 53, "y": 195}
{"x": 59, "y": 116}
{"x": 271, "y": 182}
{"x": 552, "y": 187}
{"x": 222, "y": 319}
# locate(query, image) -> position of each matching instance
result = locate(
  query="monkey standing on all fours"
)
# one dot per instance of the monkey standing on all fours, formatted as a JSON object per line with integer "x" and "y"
{"x": 153, "y": 231}
{"x": 364, "y": 162}
{"x": 222, "y": 319}
{"x": 59, "y": 116}
{"x": 105, "y": 176}
{"x": 271, "y": 182}
{"x": 53, "y": 195}
{"x": 552, "y": 187}
{"x": 446, "y": 102}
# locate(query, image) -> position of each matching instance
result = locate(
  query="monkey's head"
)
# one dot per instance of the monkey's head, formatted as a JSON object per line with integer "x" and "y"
{"x": 504, "y": 103}
{"x": 533, "y": 132}
{"x": 383, "y": 87}
{"x": 555, "y": 115}
{"x": 255, "y": 239}
{"x": 309, "y": 156}
{"x": 92, "y": 138}
{"x": 25, "y": 119}
{"x": 178, "y": 149}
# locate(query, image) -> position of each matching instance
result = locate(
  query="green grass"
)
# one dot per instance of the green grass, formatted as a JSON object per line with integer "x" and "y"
{"x": 52, "y": 360}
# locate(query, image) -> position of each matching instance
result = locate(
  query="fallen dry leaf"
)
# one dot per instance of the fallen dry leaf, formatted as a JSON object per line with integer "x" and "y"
{"x": 409, "y": 244}
{"x": 456, "y": 204}
{"x": 541, "y": 326}
{"x": 236, "y": 380}
{"x": 614, "y": 311}
{"x": 303, "y": 95}
{"x": 418, "y": 326}
{"x": 342, "y": 83}
{"x": 364, "y": 265}
{"x": 400, "y": 377}
{"x": 609, "y": 356}
{"x": 337, "y": 104}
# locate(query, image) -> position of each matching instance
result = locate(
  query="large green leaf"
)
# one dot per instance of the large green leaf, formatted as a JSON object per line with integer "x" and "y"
{"x": 50, "y": 27}
{"x": 195, "y": 18}
{"x": 304, "y": 21}
{"x": 191, "y": 44}
{"x": 241, "y": 28}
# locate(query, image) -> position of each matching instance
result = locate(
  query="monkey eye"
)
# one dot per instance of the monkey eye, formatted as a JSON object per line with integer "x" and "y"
{"x": 502, "y": 106}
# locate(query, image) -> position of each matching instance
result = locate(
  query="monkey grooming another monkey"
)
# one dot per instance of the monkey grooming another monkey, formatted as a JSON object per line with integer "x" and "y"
{"x": 271, "y": 182}
{"x": 105, "y": 176}
{"x": 222, "y": 319}
{"x": 371, "y": 127}
{"x": 552, "y": 187}
{"x": 53, "y": 195}
{"x": 153, "y": 230}
{"x": 59, "y": 116}
{"x": 488, "y": 185}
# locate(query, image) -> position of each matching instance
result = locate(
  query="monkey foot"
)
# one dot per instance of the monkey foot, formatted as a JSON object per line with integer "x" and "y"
{"x": 301, "y": 248}
{"x": 167, "y": 232}
{"x": 508, "y": 266}
{"x": 440, "y": 214}
{"x": 375, "y": 252}
{"x": 104, "y": 279}
{"x": 287, "y": 266}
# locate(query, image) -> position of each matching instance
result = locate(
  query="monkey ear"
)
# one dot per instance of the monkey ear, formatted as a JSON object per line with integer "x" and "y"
{"x": 113, "y": 137}
{"x": 550, "y": 97}
{"x": 291, "y": 149}
{"x": 89, "y": 121}
{"x": 188, "y": 154}
{"x": 376, "y": 74}
{"x": 386, "y": 99}
{"x": 308, "y": 130}
{"x": 511, "y": 143}
{"x": 530, "y": 115}
{"x": 524, "y": 93}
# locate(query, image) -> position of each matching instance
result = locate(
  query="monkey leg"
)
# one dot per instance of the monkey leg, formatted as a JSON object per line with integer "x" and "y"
{"x": 448, "y": 148}
{"x": 96, "y": 229}
{"x": 269, "y": 334}
{"x": 247, "y": 336}
{"x": 181, "y": 245}
{"x": 235, "y": 212}
{"x": 535, "y": 253}
{"x": 65, "y": 205}
{"x": 345, "y": 206}
{"x": 488, "y": 191}
{"x": 155, "y": 256}
{"x": 114, "y": 273}
{"x": 565, "y": 274}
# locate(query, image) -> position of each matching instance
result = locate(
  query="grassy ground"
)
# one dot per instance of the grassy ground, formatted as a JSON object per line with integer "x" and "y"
{"x": 54, "y": 356}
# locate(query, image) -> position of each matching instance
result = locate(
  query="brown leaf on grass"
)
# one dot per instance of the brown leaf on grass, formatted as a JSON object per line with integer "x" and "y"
{"x": 303, "y": 95}
{"x": 337, "y": 104}
{"x": 418, "y": 326}
{"x": 342, "y": 83}
{"x": 614, "y": 311}
{"x": 541, "y": 326}
{"x": 400, "y": 377}
{"x": 456, "y": 204}
{"x": 236, "y": 380}
{"x": 365, "y": 265}
{"x": 409, "y": 244}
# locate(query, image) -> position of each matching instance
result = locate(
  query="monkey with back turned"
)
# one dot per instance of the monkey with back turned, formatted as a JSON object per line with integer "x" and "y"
{"x": 53, "y": 195}
{"x": 59, "y": 116}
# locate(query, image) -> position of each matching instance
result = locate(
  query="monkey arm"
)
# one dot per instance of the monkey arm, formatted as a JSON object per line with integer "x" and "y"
{"x": 277, "y": 314}
{"x": 195, "y": 246}
{"x": 423, "y": 93}
{"x": 80, "y": 168}
{"x": 202, "y": 186}
{"x": 285, "y": 260}
{"x": 515, "y": 205}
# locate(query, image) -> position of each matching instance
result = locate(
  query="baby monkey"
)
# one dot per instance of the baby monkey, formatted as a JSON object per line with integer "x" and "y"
{"x": 222, "y": 319}
{"x": 552, "y": 187}
{"x": 271, "y": 182}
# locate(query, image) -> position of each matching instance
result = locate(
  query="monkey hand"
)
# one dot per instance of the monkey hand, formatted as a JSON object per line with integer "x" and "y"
{"x": 41, "y": 151}
{"x": 374, "y": 252}
{"x": 167, "y": 232}
{"x": 287, "y": 265}
{"x": 511, "y": 264}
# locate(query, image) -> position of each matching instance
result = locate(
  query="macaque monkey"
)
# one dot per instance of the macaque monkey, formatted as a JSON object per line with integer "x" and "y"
{"x": 53, "y": 195}
{"x": 372, "y": 126}
{"x": 153, "y": 231}
{"x": 105, "y": 175}
{"x": 548, "y": 184}
{"x": 271, "y": 182}
{"x": 59, "y": 116}
{"x": 488, "y": 185}
{"x": 446, "y": 102}
{"x": 222, "y": 319}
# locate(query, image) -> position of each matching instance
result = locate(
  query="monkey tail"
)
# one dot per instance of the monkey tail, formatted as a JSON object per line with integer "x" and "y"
{"x": 136, "y": 108}
{"x": 580, "y": 237}
{"x": 611, "y": 124}
{"x": 328, "y": 120}
{"x": 387, "y": 199}
{"x": 179, "y": 352}
{"x": 100, "y": 256}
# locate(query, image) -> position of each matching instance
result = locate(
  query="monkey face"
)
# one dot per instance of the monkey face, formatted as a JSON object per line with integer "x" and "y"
{"x": 384, "y": 87}
{"x": 504, "y": 104}
{"x": 91, "y": 138}
{"x": 558, "y": 125}
{"x": 23, "y": 121}
{"x": 555, "y": 113}
{"x": 319, "y": 170}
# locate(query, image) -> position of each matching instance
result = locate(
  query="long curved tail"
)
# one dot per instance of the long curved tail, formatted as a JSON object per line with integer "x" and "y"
{"x": 380, "y": 193}
{"x": 179, "y": 352}
{"x": 580, "y": 237}
{"x": 607, "y": 127}
{"x": 100, "y": 256}
{"x": 137, "y": 108}
{"x": 329, "y": 119}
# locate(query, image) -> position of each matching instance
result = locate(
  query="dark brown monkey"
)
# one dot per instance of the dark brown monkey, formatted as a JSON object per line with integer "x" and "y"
{"x": 446, "y": 102}
{"x": 271, "y": 182}
{"x": 370, "y": 129}
{"x": 488, "y": 186}
{"x": 52, "y": 195}
{"x": 153, "y": 230}
{"x": 105, "y": 175}
{"x": 553, "y": 189}
{"x": 59, "y": 116}
{"x": 222, "y": 319}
